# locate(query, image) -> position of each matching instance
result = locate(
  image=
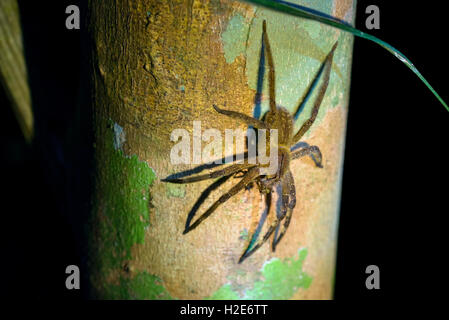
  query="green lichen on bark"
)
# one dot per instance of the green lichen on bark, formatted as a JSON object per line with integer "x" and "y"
{"x": 281, "y": 280}
{"x": 121, "y": 205}
{"x": 225, "y": 293}
{"x": 233, "y": 37}
{"x": 176, "y": 191}
{"x": 144, "y": 286}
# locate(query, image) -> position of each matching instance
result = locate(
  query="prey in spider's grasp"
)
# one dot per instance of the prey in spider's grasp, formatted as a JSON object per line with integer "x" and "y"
{"x": 250, "y": 172}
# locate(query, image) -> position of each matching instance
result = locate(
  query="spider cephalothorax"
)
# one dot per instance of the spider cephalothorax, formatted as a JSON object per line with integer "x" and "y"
{"x": 279, "y": 119}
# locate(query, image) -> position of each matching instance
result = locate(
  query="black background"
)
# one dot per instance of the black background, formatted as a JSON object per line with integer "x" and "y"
{"x": 395, "y": 171}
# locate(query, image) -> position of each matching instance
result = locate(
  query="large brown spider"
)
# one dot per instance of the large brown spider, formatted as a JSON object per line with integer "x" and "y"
{"x": 276, "y": 118}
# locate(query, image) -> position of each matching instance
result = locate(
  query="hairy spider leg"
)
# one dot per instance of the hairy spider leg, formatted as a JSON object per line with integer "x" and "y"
{"x": 204, "y": 195}
{"x": 271, "y": 75}
{"x": 272, "y": 85}
{"x": 289, "y": 190}
{"x": 312, "y": 151}
{"x": 284, "y": 213}
{"x": 288, "y": 204}
{"x": 250, "y": 121}
{"x": 263, "y": 217}
{"x": 261, "y": 241}
{"x": 283, "y": 165}
{"x": 247, "y": 179}
{"x": 308, "y": 92}
{"x": 327, "y": 70}
{"x": 215, "y": 174}
{"x": 285, "y": 162}
{"x": 288, "y": 201}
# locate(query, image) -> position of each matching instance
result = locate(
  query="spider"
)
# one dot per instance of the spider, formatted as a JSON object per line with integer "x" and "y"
{"x": 276, "y": 118}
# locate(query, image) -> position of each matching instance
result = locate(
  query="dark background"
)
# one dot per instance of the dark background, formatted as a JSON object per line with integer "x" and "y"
{"x": 395, "y": 170}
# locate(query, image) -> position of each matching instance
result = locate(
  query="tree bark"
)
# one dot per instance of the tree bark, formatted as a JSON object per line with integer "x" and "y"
{"x": 159, "y": 66}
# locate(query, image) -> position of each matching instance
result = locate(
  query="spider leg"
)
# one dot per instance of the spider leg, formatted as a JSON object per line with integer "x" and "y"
{"x": 261, "y": 241}
{"x": 211, "y": 165}
{"x": 247, "y": 179}
{"x": 288, "y": 204}
{"x": 204, "y": 195}
{"x": 319, "y": 98}
{"x": 248, "y": 252}
{"x": 271, "y": 75}
{"x": 215, "y": 174}
{"x": 250, "y": 121}
{"x": 266, "y": 212}
{"x": 312, "y": 151}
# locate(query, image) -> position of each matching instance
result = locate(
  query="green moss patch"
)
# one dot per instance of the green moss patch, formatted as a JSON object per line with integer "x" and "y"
{"x": 224, "y": 293}
{"x": 177, "y": 191}
{"x": 144, "y": 286}
{"x": 233, "y": 38}
{"x": 121, "y": 207}
{"x": 281, "y": 280}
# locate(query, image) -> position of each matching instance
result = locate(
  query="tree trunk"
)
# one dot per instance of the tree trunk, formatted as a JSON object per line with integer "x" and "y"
{"x": 159, "y": 66}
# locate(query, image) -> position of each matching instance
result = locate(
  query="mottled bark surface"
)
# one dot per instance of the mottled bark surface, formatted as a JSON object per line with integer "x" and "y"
{"x": 160, "y": 65}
